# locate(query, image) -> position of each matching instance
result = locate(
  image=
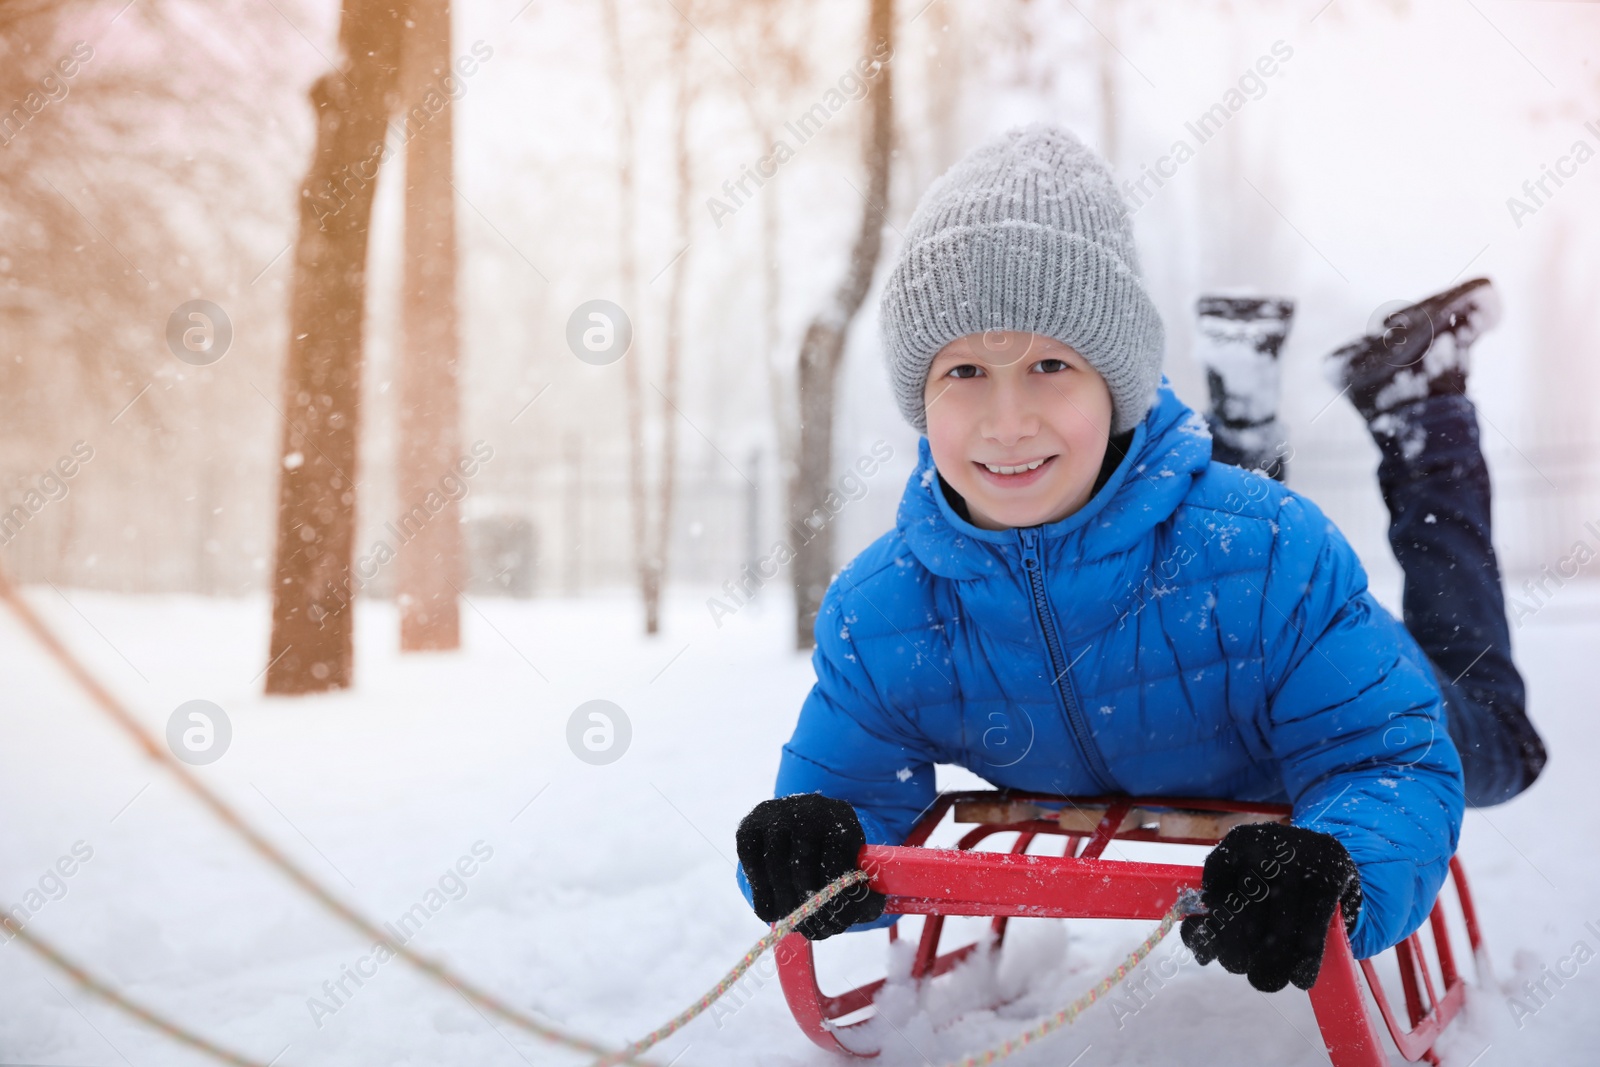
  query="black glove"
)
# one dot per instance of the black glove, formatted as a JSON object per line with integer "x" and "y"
{"x": 793, "y": 846}
{"x": 1270, "y": 891}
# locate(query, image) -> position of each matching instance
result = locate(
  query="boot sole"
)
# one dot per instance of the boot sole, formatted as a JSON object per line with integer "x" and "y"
{"x": 1466, "y": 312}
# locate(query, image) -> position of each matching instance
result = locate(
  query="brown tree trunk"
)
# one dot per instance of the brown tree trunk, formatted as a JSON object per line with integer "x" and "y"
{"x": 312, "y": 584}
{"x": 823, "y": 344}
{"x": 428, "y": 566}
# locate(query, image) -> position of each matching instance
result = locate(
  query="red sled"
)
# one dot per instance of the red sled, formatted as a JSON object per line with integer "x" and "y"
{"x": 1081, "y": 883}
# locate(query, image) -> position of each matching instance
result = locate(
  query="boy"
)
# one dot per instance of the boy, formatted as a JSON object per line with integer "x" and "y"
{"x": 1079, "y": 598}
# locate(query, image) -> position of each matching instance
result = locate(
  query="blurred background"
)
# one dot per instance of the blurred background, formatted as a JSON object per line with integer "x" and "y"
{"x": 461, "y": 361}
{"x": 1375, "y": 165}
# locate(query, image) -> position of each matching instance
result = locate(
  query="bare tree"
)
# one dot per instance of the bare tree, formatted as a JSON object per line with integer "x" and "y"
{"x": 628, "y": 274}
{"x": 429, "y": 566}
{"x": 651, "y": 540}
{"x": 122, "y": 198}
{"x": 1106, "y": 59}
{"x": 313, "y": 587}
{"x": 655, "y": 569}
{"x": 944, "y": 88}
{"x": 822, "y": 348}
{"x": 784, "y": 68}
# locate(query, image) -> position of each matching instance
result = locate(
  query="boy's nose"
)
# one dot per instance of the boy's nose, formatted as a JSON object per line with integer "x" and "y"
{"x": 1011, "y": 417}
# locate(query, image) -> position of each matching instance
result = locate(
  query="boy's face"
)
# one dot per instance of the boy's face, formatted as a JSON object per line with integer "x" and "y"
{"x": 1009, "y": 399}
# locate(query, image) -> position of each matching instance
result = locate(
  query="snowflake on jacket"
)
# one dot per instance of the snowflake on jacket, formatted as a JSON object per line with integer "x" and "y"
{"x": 1194, "y": 630}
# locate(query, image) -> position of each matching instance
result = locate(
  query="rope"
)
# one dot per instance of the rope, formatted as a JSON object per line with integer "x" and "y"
{"x": 1188, "y": 903}
{"x": 779, "y": 931}
{"x": 138, "y": 1011}
{"x": 270, "y": 852}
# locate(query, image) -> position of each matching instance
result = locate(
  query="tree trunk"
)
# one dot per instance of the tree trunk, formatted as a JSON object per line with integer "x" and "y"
{"x": 778, "y": 387}
{"x": 1108, "y": 58}
{"x": 771, "y": 295}
{"x": 656, "y": 561}
{"x": 823, "y": 344}
{"x": 312, "y": 585}
{"x": 429, "y": 566}
{"x": 628, "y": 270}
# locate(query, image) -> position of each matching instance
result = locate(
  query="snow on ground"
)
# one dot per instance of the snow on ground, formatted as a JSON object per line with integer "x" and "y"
{"x": 601, "y": 897}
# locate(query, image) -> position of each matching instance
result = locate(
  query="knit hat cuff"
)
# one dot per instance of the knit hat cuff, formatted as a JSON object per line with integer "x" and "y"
{"x": 996, "y": 276}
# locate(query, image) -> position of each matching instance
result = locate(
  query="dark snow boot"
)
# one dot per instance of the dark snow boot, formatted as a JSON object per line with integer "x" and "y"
{"x": 1422, "y": 350}
{"x": 1237, "y": 341}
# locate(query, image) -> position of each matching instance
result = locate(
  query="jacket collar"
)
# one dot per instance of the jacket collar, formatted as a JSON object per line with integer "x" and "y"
{"x": 1169, "y": 450}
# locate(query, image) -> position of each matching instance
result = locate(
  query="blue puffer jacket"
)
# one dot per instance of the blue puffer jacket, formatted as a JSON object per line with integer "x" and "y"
{"x": 1194, "y": 630}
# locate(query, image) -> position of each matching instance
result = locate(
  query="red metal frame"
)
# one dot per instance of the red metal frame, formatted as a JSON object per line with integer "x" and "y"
{"x": 1081, "y": 884}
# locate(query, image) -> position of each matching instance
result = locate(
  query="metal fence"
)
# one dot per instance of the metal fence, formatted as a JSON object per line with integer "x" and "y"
{"x": 563, "y": 529}
{"x": 553, "y": 530}
{"x": 1545, "y": 485}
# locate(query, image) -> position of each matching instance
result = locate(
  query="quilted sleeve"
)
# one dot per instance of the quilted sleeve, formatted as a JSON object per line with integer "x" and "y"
{"x": 848, "y": 743}
{"x": 1356, "y": 719}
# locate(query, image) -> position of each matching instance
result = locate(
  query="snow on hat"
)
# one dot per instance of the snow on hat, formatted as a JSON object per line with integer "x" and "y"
{"x": 1027, "y": 232}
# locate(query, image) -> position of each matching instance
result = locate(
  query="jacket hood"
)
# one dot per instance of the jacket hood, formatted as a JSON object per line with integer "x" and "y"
{"x": 1169, "y": 450}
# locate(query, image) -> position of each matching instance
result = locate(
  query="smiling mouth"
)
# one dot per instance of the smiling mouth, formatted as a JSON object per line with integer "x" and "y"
{"x": 1014, "y": 474}
{"x": 1021, "y": 468}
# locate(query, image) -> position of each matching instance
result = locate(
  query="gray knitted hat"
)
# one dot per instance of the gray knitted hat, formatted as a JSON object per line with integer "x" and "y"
{"x": 1027, "y": 232}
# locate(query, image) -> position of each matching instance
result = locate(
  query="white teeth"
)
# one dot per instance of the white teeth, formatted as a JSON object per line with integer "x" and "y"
{"x": 1014, "y": 470}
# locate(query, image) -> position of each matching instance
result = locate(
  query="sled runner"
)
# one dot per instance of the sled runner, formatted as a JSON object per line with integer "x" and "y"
{"x": 1082, "y": 883}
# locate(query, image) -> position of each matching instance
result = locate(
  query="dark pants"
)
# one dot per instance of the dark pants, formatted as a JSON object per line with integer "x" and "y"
{"x": 1436, "y": 484}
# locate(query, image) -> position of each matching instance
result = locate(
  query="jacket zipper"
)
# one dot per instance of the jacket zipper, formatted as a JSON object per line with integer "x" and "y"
{"x": 1087, "y": 748}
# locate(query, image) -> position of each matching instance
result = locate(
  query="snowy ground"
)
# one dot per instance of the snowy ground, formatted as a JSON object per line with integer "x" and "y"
{"x": 607, "y": 902}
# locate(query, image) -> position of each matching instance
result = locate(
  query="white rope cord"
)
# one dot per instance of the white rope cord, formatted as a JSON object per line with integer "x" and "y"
{"x": 779, "y": 931}
{"x": 1188, "y": 903}
{"x": 118, "y": 713}
{"x": 102, "y": 989}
